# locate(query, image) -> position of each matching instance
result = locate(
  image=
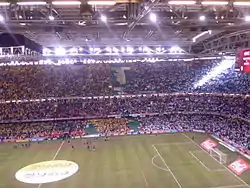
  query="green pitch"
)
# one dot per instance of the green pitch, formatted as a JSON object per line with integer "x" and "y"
{"x": 163, "y": 161}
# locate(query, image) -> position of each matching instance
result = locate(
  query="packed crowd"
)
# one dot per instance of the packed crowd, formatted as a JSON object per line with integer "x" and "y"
{"x": 29, "y": 82}
{"x": 37, "y": 81}
{"x": 123, "y": 106}
{"x": 111, "y": 125}
{"x": 22, "y": 131}
{"x": 234, "y": 130}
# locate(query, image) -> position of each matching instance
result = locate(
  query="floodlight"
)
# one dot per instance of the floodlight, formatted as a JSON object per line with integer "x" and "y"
{"x": 103, "y": 18}
{"x": 31, "y": 3}
{"x": 108, "y": 49}
{"x": 116, "y": 50}
{"x": 152, "y": 17}
{"x": 202, "y": 18}
{"x": 181, "y": 2}
{"x": 66, "y": 2}
{"x": 247, "y": 18}
{"x": 46, "y": 51}
{"x": 73, "y": 50}
{"x": 60, "y": 51}
{"x": 101, "y": 2}
{"x": 130, "y": 50}
{"x": 51, "y": 18}
{"x": 1, "y": 18}
{"x": 242, "y": 3}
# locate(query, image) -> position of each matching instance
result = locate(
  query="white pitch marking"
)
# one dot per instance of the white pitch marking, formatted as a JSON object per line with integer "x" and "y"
{"x": 145, "y": 179}
{"x": 199, "y": 161}
{"x": 229, "y": 186}
{"x": 218, "y": 162}
{"x": 174, "y": 143}
{"x": 142, "y": 173}
{"x": 170, "y": 171}
{"x": 152, "y": 161}
{"x": 54, "y": 157}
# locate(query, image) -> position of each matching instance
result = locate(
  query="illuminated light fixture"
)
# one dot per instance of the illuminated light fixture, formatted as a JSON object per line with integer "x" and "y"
{"x": 60, "y": 51}
{"x": 201, "y": 34}
{"x": 241, "y": 3}
{"x": 123, "y": 50}
{"x": 130, "y": 50}
{"x": 46, "y": 51}
{"x": 247, "y": 18}
{"x": 176, "y": 50}
{"x": 214, "y": 3}
{"x": 66, "y": 3}
{"x": 116, "y": 50}
{"x": 103, "y": 18}
{"x": 108, "y": 49}
{"x": 152, "y": 17}
{"x": 202, "y": 18}
{"x": 23, "y": 24}
{"x": 4, "y": 4}
{"x": 101, "y": 2}
{"x": 32, "y": 3}
{"x": 73, "y": 50}
{"x": 51, "y": 18}
{"x": 1, "y": 18}
{"x": 182, "y": 2}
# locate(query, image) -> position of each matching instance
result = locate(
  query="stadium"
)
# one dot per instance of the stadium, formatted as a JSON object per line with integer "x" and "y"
{"x": 118, "y": 93}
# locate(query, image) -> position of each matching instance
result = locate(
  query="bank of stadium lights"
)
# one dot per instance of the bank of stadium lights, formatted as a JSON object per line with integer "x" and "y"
{"x": 182, "y": 2}
{"x": 176, "y": 50}
{"x": 60, "y": 51}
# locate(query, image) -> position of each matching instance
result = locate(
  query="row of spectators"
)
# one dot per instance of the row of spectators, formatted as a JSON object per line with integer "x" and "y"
{"x": 227, "y": 128}
{"x": 26, "y": 82}
{"x": 29, "y": 82}
{"x": 231, "y": 105}
{"x": 22, "y": 131}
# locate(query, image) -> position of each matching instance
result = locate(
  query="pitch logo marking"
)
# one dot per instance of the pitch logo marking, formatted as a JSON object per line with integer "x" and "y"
{"x": 46, "y": 172}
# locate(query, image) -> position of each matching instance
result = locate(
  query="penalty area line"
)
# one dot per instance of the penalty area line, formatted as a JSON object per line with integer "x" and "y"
{"x": 191, "y": 153}
{"x": 54, "y": 157}
{"x": 164, "y": 162}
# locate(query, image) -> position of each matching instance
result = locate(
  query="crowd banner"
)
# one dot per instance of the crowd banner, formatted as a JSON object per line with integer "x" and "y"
{"x": 198, "y": 131}
{"x": 22, "y": 141}
{"x": 9, "y": 140}
{"x": 37, "y": 139}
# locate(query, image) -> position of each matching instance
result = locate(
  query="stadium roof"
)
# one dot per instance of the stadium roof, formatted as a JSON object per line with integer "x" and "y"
{"x": 197, "y": 26}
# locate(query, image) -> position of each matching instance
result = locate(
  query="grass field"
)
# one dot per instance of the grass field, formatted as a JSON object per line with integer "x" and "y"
{"x": 169, "y": 161}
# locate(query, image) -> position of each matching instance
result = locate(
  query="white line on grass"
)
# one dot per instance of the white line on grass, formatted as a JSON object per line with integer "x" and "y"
{"x": 218, "y": 162}
{"x": 208, "y": 169}
{"x": 142, "y": 173}
{"x": 54, "y": 157}
{"x": 145, "y": 179}
{"x": 229, "y": 186}
{"x": 170, "y": 171}
{"x": 155, "y": 165}
{"x": 199, "y": 161}
{"x": 174, "y": 143}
